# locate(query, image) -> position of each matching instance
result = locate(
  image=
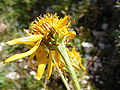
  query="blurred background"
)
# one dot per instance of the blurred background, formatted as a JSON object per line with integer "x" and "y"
{"x": 97, "y": 24}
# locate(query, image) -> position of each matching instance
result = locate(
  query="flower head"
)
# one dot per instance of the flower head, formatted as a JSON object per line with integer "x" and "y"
{"x": 51, "y": 24}
{"x": 46, "y": 33}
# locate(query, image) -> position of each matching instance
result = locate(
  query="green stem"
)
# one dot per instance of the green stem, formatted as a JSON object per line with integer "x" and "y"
{"x": 62, "y": 76}
{"x": 45, "y": 84}
{"x": 64, "y": 54}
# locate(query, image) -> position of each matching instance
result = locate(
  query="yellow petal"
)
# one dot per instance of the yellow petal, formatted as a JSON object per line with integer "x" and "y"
{"x": 58, "y": 58}
{"x": 26, "y": 40}
{"x": 28, "y": 47}
{"x": 82, "y": 67}
{"x": 41, "y": 57}
{"x": 75, "y": 66}
{"x": 40, "y": 71}
{"x": 27, "y": 32}
{"x": 64, "y": 68}
{"x": 22, "y": 55}
{"x": 30, "y": 59}
{"x": 49, "y": 68}
{"x": 63, "y": 21}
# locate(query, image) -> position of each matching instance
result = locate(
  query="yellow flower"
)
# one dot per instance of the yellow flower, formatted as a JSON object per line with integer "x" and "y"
{"x": 51, "y": 24}
{"x": 75, "y": 59}
{"x": 45, "y": 34}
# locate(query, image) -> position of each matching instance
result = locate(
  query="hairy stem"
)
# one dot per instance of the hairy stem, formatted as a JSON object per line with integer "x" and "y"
{"x": 62, "y": 76}
{"x": 61, "y": 48}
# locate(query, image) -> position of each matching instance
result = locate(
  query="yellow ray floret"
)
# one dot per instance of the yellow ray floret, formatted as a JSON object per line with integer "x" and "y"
{"x": 40, "y": 70}
{"x": 75, "y": 59}
{"x": 50, "y": 66}
{"x": 22, "y": 55}
{"x": 26, "y": 40}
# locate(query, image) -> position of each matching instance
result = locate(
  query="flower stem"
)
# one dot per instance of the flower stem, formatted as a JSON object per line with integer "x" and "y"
{"x": 61, "y": 48}
{"x": 62, "y": 76}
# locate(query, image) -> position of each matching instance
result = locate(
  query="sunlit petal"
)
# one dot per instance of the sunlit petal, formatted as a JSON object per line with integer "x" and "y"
{"x": 75, "y": 66}
{"x": 22, "y": 55}
{"x": 63, "y": 21}
{"x": 26, "y": 40}
{"x": 27, "y": 32}
{"x": 41, "y": 57}
{"x": 50, "y": 66}
{"x": 40, "y": 71}
{"x": 82, "y": 66}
